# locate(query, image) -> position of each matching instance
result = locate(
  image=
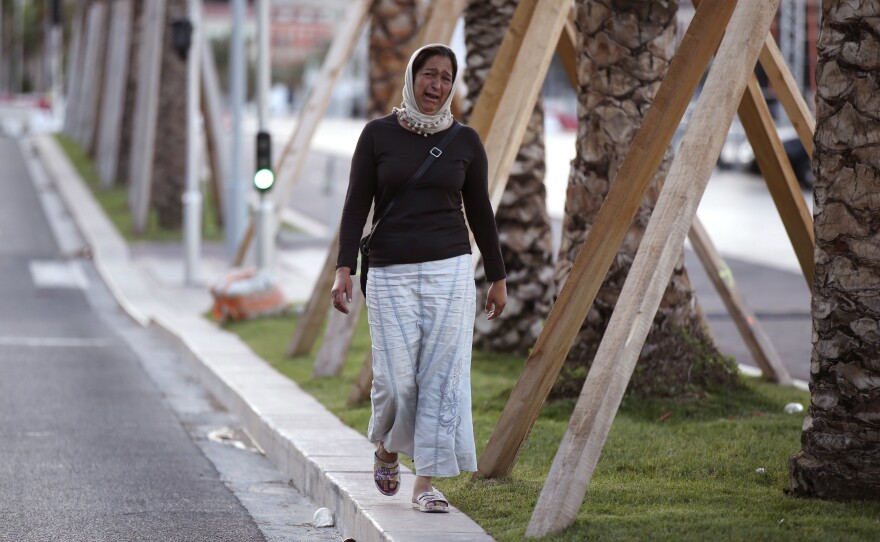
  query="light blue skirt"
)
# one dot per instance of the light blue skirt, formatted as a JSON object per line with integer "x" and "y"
{"x": 421, "y": 325}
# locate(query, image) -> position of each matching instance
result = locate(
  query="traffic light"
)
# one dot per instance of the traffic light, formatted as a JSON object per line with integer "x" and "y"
{"x": 264, "y": 178}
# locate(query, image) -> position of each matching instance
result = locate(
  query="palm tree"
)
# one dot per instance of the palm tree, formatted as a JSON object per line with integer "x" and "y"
{"x": 523, "y": 222}
{"x": 128, "y": 108}
{"x": 393, "y": 25}
{"x": 840, "y": 456}
{"x": 624, "y": 50}
{"x": 169, "y": 164}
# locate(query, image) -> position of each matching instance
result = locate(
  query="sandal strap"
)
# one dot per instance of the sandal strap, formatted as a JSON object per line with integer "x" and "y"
{"x": 377, "y": 463}
{"x": 431, "y": 496}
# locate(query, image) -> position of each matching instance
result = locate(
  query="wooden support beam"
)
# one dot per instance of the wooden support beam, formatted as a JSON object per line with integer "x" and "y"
{"x": 297, "y": 147}
{"x": 339, "y": 336}
{"x": 789, "y": 95}
{"x": 746, "y": 322}
{"x": 567, "y": 50}
{"x": 525, "y": 78}
{"x": 360, "y": 392}
{"x": 573, "y": 466}
{"x": 777, "y": 171}
{"x": 309, "y": 325}
{"x": 500, "y": 74}
{"x": 613, "y": 221}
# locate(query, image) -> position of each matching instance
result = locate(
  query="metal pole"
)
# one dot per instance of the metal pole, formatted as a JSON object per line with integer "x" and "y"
{"x": 236, "y": 204}
{"x": 264, "y": 226}
{"x": 192, "y": 198}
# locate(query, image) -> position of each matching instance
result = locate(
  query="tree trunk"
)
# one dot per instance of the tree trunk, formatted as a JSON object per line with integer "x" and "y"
{"x": 169, "y": 165}
{"x": 840, "y": 457}
{"x": 523, "y": 222}
{"x": 624, "y": 50}
{"x": 128, "y": 108}
{"x": 393, "y": 26}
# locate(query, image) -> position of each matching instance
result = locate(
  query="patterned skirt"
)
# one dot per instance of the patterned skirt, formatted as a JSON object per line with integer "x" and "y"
{"x": 421, "y": 325}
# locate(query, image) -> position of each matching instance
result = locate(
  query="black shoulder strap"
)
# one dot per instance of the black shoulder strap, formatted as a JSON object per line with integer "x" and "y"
{"x": 433, "y": 155}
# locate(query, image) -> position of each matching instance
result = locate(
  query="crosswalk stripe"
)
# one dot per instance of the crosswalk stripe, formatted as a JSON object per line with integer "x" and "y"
{"x": 57, "y": 342}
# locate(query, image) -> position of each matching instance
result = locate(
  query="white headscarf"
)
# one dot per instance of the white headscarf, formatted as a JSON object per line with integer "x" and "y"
{"x": 409, "y": 110}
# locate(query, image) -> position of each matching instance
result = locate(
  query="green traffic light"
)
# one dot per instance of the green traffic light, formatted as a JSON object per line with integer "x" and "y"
{"x": 263, "y": 179}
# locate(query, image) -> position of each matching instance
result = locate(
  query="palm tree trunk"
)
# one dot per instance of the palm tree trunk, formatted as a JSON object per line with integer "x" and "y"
{"x": 523, "y": 222}
{"x": 169, "y": 165}
{"x": 128, "y": 109}
{"x": 840, "y": 456}
{"x": 624, "y": 50}
{"x": 393, "y": 25}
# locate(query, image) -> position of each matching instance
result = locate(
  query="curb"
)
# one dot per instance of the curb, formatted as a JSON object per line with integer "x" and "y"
{"x": 328, "y": 461}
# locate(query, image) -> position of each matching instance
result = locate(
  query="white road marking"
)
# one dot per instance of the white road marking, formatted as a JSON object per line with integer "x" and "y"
{"x": 51, "y": 274}
{"x": 59, "y": 342}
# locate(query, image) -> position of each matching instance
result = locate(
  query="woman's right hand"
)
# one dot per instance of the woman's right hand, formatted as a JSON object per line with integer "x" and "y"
{"x": 341, "y": 292}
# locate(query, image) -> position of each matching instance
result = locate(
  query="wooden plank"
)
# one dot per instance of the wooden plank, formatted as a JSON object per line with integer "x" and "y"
{"x": 613, "y": 221}
{"x": 570, "y": 474}
{"x": 567, "y": 49}
{"x": 506, "y": 132}
{"x": 212, "y": 113}
{"x": 360, "y": 392}
{"x": 499, "y": 75}
{"x": 777, "y": 171}
{"x": 789, "y": 95}
{"x": 309, "y": 324}
{"x": 297, "y": 148}
{"x": 116, "y": 70}
{"x": 143, "y": 138}
{"x": 338, "y": 336}
{"x": 746, "y": 322}
{"x": 96, "y": 29}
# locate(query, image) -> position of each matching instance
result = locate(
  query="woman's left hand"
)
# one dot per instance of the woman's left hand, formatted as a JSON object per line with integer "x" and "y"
{"x": 496, "y": 299}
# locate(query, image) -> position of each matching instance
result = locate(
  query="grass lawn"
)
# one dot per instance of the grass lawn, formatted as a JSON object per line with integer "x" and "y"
{"x": 671, "y": 470}
{"x": 114, "y": 201}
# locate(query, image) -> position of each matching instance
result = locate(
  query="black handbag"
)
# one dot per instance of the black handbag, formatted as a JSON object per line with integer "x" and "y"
{"x": 367, "y": 240}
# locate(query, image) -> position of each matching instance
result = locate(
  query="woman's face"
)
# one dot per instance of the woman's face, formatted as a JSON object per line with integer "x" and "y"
{"x": 432, "y": 84}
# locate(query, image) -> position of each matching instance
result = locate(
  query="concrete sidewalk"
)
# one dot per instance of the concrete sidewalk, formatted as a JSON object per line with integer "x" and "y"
{"x": 325, "y": 459}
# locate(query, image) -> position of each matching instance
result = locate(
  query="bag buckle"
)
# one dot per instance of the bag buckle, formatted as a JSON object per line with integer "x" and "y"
{"x": 435, "y": 152}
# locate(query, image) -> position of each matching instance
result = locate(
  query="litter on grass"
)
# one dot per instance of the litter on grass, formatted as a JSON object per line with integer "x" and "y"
{"x": 794, "y": 408}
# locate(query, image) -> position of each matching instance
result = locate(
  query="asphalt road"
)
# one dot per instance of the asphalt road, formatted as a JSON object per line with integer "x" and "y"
{"x": 780, "y": 300}
{"x": 90, "y": 448}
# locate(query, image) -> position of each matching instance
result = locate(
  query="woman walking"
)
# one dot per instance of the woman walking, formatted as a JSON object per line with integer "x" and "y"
{"x": 421, "y": 292}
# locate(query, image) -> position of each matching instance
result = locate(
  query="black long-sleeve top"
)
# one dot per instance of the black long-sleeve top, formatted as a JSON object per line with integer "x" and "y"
{"x": 426, "y": 223}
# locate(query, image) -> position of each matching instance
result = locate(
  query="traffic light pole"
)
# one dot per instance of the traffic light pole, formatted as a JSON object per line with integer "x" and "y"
{"x": 265, "y": 234}
{"x": 264, "y": 222}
